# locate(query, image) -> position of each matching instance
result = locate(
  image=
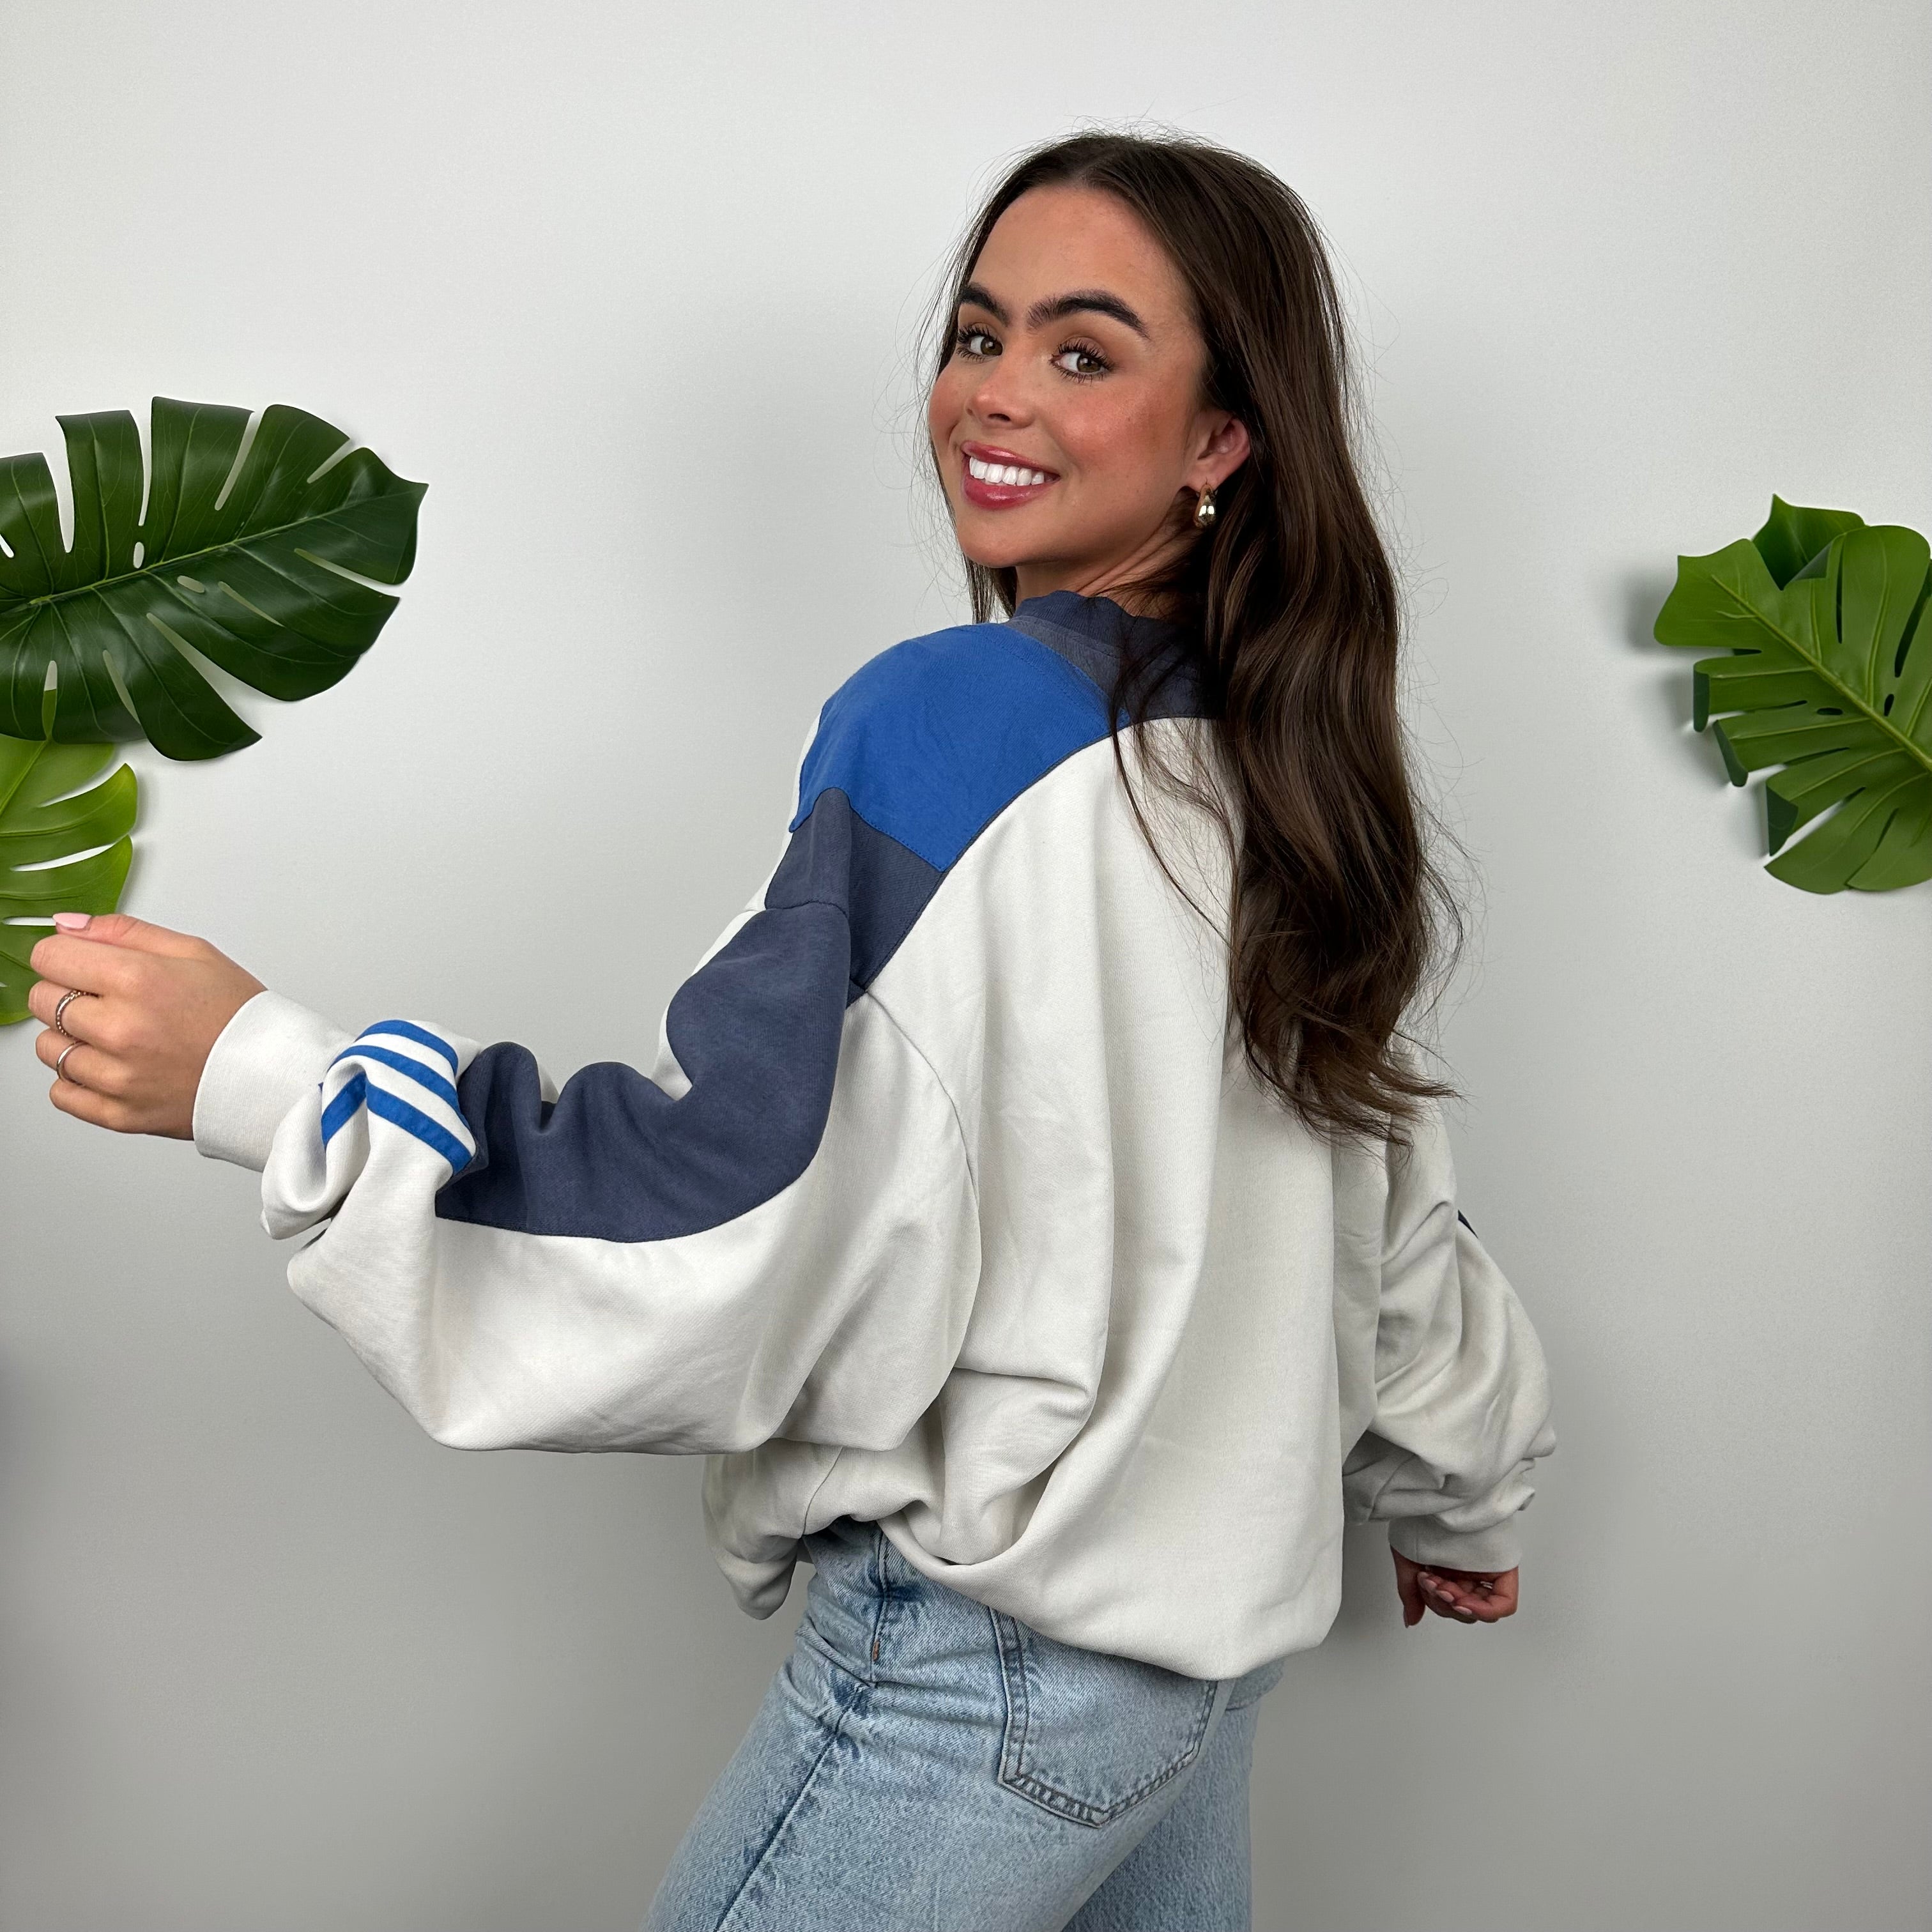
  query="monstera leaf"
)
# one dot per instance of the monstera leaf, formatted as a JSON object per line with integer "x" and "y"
{"x": 239, "y": 557}
{"x": 1830, "y": 677}
{"x": 44, "y": 817}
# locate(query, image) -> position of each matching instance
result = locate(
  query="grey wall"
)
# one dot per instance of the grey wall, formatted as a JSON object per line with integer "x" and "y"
{"x": 630, "y": 285}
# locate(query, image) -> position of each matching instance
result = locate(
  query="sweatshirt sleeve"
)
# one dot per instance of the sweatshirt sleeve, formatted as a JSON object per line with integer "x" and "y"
{"x": 1461, "y": 1394}
{"x": 773, "y": 1233}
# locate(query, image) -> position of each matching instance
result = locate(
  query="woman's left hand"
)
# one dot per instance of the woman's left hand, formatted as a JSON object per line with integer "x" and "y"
{"x": 149, "y": 1004}
{"x": 1469, "y": 1596}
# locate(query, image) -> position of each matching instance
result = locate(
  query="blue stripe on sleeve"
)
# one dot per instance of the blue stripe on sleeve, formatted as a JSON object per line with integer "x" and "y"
{"x": 358, "y": 1091}
{"x": 342, "y": 1109}
{"x": 425, "y": 1077}
{"x": 413, "y": 1121}
{"x": 405, "y": 1030}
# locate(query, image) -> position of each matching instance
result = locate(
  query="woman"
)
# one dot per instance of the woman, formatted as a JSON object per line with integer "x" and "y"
{"x": 1034, "y": 1212}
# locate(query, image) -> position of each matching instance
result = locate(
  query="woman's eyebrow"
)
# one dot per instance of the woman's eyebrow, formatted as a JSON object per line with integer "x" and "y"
{"x": 1095, "y": 301}
{"x": 1057, "y": 308}
{"x": 979, "y": 296}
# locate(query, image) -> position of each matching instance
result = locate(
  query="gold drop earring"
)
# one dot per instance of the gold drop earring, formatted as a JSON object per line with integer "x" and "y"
{"x": 1204, "y": 509}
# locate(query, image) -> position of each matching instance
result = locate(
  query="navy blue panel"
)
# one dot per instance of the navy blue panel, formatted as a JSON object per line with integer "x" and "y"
{"x": 1092, "y": 633}
{"x": 757, "y": 1030}
{"x": 882, "y": 886}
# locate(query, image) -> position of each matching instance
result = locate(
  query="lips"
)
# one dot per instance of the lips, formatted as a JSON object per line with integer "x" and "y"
{"x": 1000, "y": 479}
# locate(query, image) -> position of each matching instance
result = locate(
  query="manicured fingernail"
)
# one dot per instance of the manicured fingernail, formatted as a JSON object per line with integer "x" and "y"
{"x": 73, "y": 922}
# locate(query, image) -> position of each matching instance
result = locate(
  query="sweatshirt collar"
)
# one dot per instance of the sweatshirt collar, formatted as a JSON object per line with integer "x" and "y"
{"x": 1091, "y": 633}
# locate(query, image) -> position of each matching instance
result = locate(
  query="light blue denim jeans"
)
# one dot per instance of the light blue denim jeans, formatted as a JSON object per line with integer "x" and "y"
{"x": 923, "y": 1764}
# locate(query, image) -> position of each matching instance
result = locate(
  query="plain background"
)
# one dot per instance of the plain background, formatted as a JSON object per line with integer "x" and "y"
{"x": 632, "y": 287}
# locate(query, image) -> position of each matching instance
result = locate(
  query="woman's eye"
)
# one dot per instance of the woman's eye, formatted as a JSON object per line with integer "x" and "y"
{"x": 1078, "y": 361}
{"x": 976, "y": 342}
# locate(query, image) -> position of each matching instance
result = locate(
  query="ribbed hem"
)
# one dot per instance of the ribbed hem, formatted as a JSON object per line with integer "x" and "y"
{"x": 1422, "y": 1539}
{"x": 267, "y": 1055}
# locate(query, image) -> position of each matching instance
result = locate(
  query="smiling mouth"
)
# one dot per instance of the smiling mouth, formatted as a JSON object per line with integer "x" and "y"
{"x": 992, "y": 481}
{"x": 1011, "y": 475}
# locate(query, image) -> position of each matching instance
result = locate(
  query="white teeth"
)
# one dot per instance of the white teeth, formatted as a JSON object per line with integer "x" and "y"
{"x": 1009, "y": 474}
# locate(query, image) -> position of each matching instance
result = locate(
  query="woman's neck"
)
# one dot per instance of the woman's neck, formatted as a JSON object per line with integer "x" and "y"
{"x": 1137, "y": 582}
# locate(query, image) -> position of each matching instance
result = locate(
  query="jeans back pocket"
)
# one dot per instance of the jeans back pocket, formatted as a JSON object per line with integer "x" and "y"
{"x": 1088, "y": 1735}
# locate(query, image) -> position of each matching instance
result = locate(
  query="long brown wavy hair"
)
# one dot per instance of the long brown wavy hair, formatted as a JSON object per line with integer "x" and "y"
{"x": 1338, "y": 918}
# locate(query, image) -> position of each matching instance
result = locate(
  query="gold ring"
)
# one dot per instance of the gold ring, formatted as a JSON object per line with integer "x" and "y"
{"x": 60, "y": 1064}
{"x": 61, "y": 1006}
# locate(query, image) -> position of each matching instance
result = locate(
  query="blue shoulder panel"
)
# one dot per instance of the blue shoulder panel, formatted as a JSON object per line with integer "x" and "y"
{"x": 934, "y": 738}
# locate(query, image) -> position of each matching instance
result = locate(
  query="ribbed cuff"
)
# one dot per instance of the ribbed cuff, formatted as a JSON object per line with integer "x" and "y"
{"x": 267, "y": 1055}
{"x": 1424, "y": 1539}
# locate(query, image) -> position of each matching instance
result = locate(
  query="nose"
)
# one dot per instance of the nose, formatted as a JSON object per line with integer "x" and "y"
{"x": 1000, "y": 395}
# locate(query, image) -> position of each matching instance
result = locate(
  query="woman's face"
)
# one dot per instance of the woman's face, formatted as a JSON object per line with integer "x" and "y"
{"x": 1068, "y": 422}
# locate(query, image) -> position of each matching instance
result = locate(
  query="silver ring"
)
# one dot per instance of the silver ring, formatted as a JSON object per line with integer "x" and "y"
{"x": 61, "y": 1006}
{"x": 59, "y": 1063}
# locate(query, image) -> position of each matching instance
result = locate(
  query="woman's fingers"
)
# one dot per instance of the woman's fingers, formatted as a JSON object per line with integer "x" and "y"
{"x": 82, "y": 963}
{"x": 97, "y": 1110}
{"x": 1467, "y": 1597}
{"x": 83, "y": 1065}
{"x": 110, "y": 954}
{"x": 79, "y": 1017}
{"x": 97, "y": 1087}
{"x": 137, "y": 935}
{"x": 1464, "y": 1596}
{"x": 1503, "y": 1593}
{"x": 1440, "y": 1596}
{"x": 1408, "y": 1588}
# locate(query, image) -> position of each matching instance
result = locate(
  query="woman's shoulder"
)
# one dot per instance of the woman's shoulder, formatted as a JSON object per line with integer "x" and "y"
{"x": 971, "y": 677}
{"x": 931, "y": 738}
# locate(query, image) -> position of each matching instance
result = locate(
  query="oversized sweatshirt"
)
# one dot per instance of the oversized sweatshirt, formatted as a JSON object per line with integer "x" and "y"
{"x": 951, "y": 1202}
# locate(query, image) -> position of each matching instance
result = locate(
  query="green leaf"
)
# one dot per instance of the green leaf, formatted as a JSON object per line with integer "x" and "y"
{"x": 242, "y": 565}
{"x": 45, "y": 817}
{"x": 1792, "y": 536}
{"x": 1830, "y": 678}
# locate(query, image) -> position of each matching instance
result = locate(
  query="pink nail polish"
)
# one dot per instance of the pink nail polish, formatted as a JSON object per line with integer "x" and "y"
{"x": 73, "y": 922}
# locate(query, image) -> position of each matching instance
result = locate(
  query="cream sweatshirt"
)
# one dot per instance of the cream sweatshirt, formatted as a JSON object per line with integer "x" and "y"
{"x": 950, "y": 1203}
